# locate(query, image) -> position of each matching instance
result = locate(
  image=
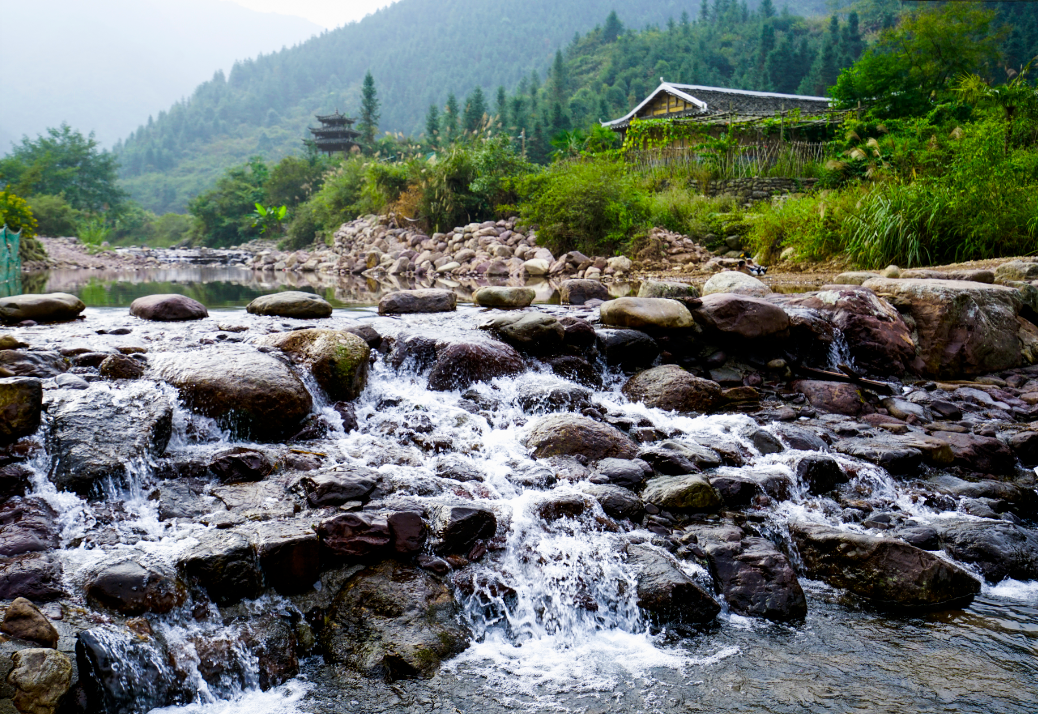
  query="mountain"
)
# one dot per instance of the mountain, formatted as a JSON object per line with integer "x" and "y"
{"x": 106, "y": 65}
{"x": 418, "y": 51}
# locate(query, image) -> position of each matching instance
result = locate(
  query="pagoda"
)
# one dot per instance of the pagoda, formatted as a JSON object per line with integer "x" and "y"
{"x": 336, "y": 133}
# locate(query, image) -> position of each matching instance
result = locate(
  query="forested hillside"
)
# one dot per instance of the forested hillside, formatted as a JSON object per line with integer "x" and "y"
{"x": 419, "y": 52}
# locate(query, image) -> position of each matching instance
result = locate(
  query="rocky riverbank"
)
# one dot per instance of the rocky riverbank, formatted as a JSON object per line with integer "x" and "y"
{"x": 197, "y": 503}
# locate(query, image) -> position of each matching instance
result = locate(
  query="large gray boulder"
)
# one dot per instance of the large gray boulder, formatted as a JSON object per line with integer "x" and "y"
{"x": 338, "y": 360}
{"x": 651, "y": 314}
{"x": 247, "y": 391}
{"x": 168, "y": 308}
{"x": 665, "y": 591}
{"x": 101, "y": 433}
{"x": 502, "y": 297}
{"x": 690, "y": 491}
{"x": 888, "y": 572}
{"x": 21, "y": 405}
{"x": 532, "y": 332}
{"x": 672, "y": 388}
{"x": 460, "y": 364}
{"x": 393, "y": 621}
{"x": 224, "y": 563}
{"x": 732, "y": 281}
{"x": 291, "y": 303}
{"x": 998, "y": 550}
{"x": 742, "y": 316}
{"x": 667, "y": 289}
{"x": 572, "y": 435}
{"x": 578, "y": 292}
{"x": 414, "y": 301}
{"x": 53, "y": 307}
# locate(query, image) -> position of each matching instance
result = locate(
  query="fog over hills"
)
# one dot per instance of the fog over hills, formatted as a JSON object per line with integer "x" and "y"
{"x": 107, "y": 65}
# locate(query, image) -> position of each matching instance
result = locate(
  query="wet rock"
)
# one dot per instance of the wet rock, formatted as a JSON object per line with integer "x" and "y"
{"x": 348, "y": 413}
{"x": 576, "y": 369}
{"x": 1022, "y": 270}
{"x": 24, "y": 621}
{"x": 27, "y": 526}
{"x": 538, "y": 397}
{"x": 457, "y": 469}
{"x": 71, "y": 381}
{"x": 887, "y": 572}
{"x": 649, "y": 314}
{"x": 288, "y": 552}
{"x": 40, "y": 677}
{"x": 630, "y": 350}
{"x": 578, "y": 335}
{"x": 665, "y": 591}
{"x": 241, "y": 465}
{"x": 754, "y": 577}
{"x": 578, "y": 292}
{"x": 121, "y": 367}
{"x": 271, "y": 639}
{"x": 338, "y": 360}
{"x": 617, "y": 502}
{"x": 10, "y": 342}
{"x": 460, "y": 365}
{"x": 291, "y": 303}
{"x": 1010, "y": 497}
{"x": 628, "y": 473}
{"x": 572, "y": 435}
{"x": 742, "y": 316}
{"x": 21, "y": 405}
{"x": 35, "y": 576}
{"x": 820, "y": 474}
{"x": 674, "y": 458}
{"x": 833, "y": 397}
{"x": 735, "y": 282}
{"x": 394, "y": 621}
{"x": 555, "y": 508}
{"x": 167, "y": 308}
{"x": 736, "y": 491}
{"x": 224, "y": 563}
{"x": 412, "y": 301}
{"x": 979, "y": 453}
{"x": 249, "y": 392}
{"x": 671, "y": 388}
{"x": 690, "y": 491}
{"x": 52, "y": 307}
{"x": 506, "y": 298}
{"x": 132, "y": 589}
{"x": 14, "y": 480}
{"x": 1025, "y": 446}
{"x": 334, "y": 488}
{"x": 409, "y": 532}
{"x": 367, "y": 333}
{"x": 532, "y": 332}
{"x": 999, "y": 550}
{"x": 124, "y": 673}
{"x": 355, "y": 535}
{"x": 667, "y": 289}
{"x": 961, "y": 328}
{"x": 32, "y": 364}
{"x": 455, "y": 529}
{"x": 891, "y": 455}
{"x": 764, "y": 442}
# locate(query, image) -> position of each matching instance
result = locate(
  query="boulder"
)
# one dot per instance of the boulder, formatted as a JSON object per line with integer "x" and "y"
{"x": 674, "y": 458}
{"x": 572, "y": 435}
{"x": 888, "y": 572}
{"x": 224, "y": 563}
{"x": 667, "y": 289}
{"x": 538, "y": 397}
{"x": 241, "y": 464}
{"x": 167, "y": 308}
{"x": 459, "y": 365}
{"x": 412, "y": 301}
{"x": 99, "y": 433}
{"x": 133, "y": 589}
{"x": 689, "y": 491}
{"x": 833, "y": 397}
{"x": 1017, "y": 270}
{"x": 124, "y": 673}
{"x": 532, "y": 332}
{"x": 671, "y": 388}
{"x": 820, "y": 474}
{"x": 14, "y": 481}
{"x": 754, "y": 577}
{"x": 337, "y": 359}
{"x": 27, "y": 526}
{"x": 536, "y": 267}
{"x": 248, "y": 392}
{"x": 121, "y": 367}
{"x": 455, "y": 529}
{"x": 291, "y": 303}
{"x": 649, "y": 314}
{"x": 742, "y": 316}
{"x": 630, "y": 350}
{"x": 334, "y": 488}
{"x": 894, "y": 456}
{"x": 578, "y": 292}
{"x": 409, "y": 532}
{"x": 983, "y": 454}
{"x": 961, "y": 328}
{"x": 576, "y": 369}
{"x": 21, "y": 406}
{"x": 40, "y": 678}
{"x": 617, "y": 502}
{"x": 393, "y": 621}
{"x": 24, "y": 621}
{"x": 54, "y": 307}
{"x": 998, "y": 550}
{"x": 735, "y": 282}
{"x": 628, "y": 473}
{"x": 854, "y": 277}
{"x": 665, "y": 591}
{"x": 367, "y": 333}
{"x": 288, "y": 552}
{"x": 501, "y": 297}
{"x": 355, "y": 535}
{"x": 579, "y": 336}
{"x": 35, "y": 576}
{"x": 736, "y": 491}
{"x": 14, "y": 363}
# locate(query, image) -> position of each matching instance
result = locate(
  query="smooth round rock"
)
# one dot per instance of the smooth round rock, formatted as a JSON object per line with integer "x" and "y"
{"x": 667, "y": 289}
{"x": 52, "y": 307}
{"x": 418, "y": 301}
{"x": 168, "y": 308}
{"x": 578, "y": 292}
{"x": 732, "y": 281}
{"x": 646, "y": 314}
{"x": 291, "y": 304}
{"x": 501, "y": 297}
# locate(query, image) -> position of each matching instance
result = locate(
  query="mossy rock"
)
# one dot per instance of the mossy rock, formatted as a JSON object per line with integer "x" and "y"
{"x": 338, "y": 360}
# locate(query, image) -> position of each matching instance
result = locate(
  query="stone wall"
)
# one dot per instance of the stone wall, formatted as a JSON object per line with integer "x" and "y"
{"x": 760, "y": 189}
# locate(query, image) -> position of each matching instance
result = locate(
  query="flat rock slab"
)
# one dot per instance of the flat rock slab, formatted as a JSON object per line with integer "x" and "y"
{"x": 291, "y": 303}
{"x": 418, "y": 301}
{"x": 742, "y": 316}
{"x": 646, "y": 314}
{"x": 168, "y": 308}
{"x": 52, "y": 307}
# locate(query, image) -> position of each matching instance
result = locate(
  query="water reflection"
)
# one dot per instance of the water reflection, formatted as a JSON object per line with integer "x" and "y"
{"x": 221, "y": 287}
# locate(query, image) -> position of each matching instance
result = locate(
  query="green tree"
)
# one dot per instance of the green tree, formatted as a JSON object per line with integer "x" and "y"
{"x": 1014, "y": 98}
{"x": 450, "y": 119}
{"x": 63, "y": 162}
{"x": 432, "y": 125}
{"x": 613, "y": 27}
{"x": 54, "y": 216}
{"x": 558, "y": 78}
{"x": 475, "y": 110}
{"x": 369, "y": 111}
{"x": 293, "y": 180}
{"x": 224, "y": 213}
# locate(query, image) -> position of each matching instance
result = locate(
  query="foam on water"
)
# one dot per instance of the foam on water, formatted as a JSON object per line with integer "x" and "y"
{"x": 286, "y": 699}
{"x": 1009, "y": 589}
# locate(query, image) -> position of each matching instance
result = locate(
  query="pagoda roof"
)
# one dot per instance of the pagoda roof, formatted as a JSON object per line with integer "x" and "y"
{"x": 335, "y": 118}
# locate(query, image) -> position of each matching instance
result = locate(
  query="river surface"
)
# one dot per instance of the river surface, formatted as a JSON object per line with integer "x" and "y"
{"x": 548, "y": 651}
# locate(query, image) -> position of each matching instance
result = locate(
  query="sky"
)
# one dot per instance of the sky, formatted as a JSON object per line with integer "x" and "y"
{"x": 327, "y": 13}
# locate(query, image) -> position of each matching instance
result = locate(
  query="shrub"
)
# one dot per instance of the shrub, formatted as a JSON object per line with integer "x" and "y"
{"x": 17, "y": 216}
{"x": 54, "y": 216}
{"x": 302, "y": 230}
{"x": 591, "y": 205}
{"x": 340, "y": 199}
